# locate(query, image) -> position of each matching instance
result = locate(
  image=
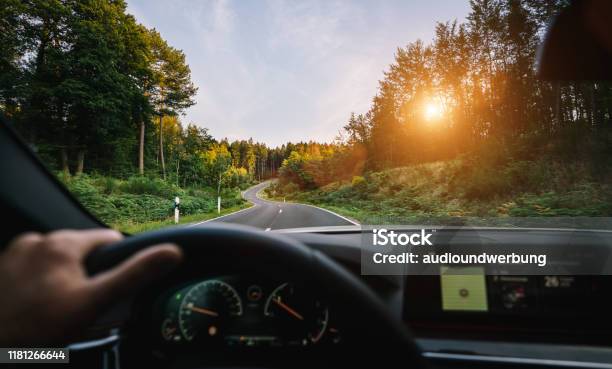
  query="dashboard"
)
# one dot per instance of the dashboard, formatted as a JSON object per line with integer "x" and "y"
{"x": 234, "y": 310}
{"x": 251, "y": 310}
{"x": 565, "y": 309}
{"x": 205, "y": 308}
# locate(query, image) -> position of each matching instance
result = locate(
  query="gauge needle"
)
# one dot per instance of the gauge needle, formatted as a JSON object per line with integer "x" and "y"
{"x": 203, "y": 311}
{"x": 288, "y": 309}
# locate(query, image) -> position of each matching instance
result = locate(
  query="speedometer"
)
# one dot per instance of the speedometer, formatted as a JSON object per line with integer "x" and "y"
{"x": 301, "y": 318}
{"x": 206, "y": 308}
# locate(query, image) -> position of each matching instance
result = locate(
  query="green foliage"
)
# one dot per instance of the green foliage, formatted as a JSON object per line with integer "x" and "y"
{"x": 293, "y": 170}
{"x": 106, "y": 185}
{"x": 279, "y": 190}
{"x": 237, "y": 177}
{"x": 153, "y": 186}
{"x": 289, "y": 188}
{"x": 359, "y": 183}
{"x": 132, "y": 228}
{"x": 141, "y": 199}
{"x": 587, "y": 199}
{"x": 444, "y": 192}
{"x": 94, "y": 200}
{"x": 172, "y": 88}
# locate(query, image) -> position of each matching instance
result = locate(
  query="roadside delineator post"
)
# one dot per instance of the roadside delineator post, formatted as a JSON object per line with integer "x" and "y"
{"x": 218, "y": 204}
{"x": 176, "y": 209}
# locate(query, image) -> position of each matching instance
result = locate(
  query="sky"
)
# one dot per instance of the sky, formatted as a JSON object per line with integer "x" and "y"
{"x": 279, "y": 71}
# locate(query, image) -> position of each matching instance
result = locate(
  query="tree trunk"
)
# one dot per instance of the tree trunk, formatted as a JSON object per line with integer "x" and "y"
{"x": 592, "y": 106}
{"x": 557, "y": 119}
{"x": 219, "y": 195}
{"x": 161, "y": 146}
{"x": 141, "y": 148}
{"x": 80, "y": 161}
{"x": 64, "y": 157}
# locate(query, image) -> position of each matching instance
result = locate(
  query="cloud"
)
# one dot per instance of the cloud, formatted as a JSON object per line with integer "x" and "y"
{"x": 212, "y": 22}
{"x": 284, "y": 70}
{"x": 312, "y": 29}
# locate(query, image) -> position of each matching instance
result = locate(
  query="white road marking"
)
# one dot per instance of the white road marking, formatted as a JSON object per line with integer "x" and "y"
{"x": 280, "y": 211}
{"x": 331, "y": 212}
{"x": 267, "y": 229}
{"x": 222, "y": 216}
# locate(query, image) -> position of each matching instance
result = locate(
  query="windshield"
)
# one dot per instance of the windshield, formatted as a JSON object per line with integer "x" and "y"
{"x": 306, "y": 114}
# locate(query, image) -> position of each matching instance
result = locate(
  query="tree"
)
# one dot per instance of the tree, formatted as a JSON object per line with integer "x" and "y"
{"x": 142, "y": 74}
{"x": 44, "y": 68}
{"x": 15, "y": 43}
{"x": 250, "y": 159}
{"x": 173, "y": 90}
{"x": 218, "y": 161}
{"x": 104, "y": 84}
{"x": 359, "y": 128}
{"x": 80, "y": 77}
{"x": 72, "y": 72}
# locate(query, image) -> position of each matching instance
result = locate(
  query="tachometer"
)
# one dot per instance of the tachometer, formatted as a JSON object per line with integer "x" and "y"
{"x": 206, "y": 307}
{"x": 301, "y": 318}
{"x": 170, "y": 331}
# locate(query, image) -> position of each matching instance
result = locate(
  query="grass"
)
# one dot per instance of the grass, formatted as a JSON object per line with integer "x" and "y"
{"x": 139, "y": 203}
{"x": 464, "y": 191}
{"x": 131, "y": 228}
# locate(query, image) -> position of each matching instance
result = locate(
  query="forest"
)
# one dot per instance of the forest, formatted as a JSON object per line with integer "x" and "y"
{"x": 460, "y": 126}
{"x": 89, "y": 87}
{"x": 99, "y": 97}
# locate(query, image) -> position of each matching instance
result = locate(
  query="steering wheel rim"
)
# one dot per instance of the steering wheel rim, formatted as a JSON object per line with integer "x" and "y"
{"x": 245, "y": 248}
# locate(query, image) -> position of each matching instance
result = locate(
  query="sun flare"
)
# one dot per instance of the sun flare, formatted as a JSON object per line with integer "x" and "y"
{"x": 433, "y": 111}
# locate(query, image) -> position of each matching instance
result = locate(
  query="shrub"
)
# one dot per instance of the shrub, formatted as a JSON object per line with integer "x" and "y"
{"x": 140, "y": 208}
{"x": 90, "y": 197}
{"x": 359, "y": 183}
{"x": 106, "y": 185}
{"x": 140, "y": 199}
{"x": 142, "y": 185}
{"x": 194, "y": 205}
{"x": 289, "y": 188}
{"x": 486, "y": 184}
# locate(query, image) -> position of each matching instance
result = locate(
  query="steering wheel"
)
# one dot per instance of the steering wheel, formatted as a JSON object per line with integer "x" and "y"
{"x": 371, "y": 330}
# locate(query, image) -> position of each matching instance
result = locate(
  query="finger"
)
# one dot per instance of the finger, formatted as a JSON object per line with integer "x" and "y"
{"x": 139, "y": 270}
{"x": 28, "y": 238}
{"x": 82, "y": 242}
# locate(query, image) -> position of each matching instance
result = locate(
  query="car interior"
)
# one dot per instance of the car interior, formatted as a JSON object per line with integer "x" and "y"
{"x": 331, "y": 314}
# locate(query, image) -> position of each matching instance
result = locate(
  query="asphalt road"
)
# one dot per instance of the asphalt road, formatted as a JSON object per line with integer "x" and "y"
{"x": 269, "y": 215}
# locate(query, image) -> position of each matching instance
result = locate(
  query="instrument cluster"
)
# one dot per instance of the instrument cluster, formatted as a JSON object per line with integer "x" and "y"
{"x": 232, "y": 311}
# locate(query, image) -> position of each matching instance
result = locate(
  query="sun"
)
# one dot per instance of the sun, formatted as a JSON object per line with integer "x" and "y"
{"x": 432, "y": 111}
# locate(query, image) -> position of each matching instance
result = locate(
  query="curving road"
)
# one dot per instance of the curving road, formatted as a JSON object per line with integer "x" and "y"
{"x": 270, "y": 215}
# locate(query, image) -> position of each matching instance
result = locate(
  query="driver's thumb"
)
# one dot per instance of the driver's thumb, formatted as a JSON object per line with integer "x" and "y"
{"x": 135, "y": 272}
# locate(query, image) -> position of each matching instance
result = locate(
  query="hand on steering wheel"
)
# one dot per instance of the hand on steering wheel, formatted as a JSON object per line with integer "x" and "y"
{"x": 47, "y": 297}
